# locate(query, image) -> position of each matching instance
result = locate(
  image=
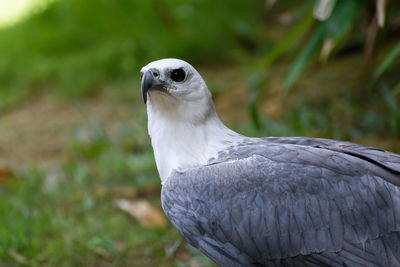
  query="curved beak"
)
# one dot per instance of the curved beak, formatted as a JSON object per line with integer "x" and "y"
{"x": 149, "y": 82}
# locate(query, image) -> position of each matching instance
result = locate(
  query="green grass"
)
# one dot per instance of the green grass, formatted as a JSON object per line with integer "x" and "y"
{"x": 72, "y": 225}
{"x": 67, "y": 216}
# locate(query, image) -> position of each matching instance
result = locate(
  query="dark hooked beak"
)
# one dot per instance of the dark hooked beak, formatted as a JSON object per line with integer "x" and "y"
{"x": 150, "y": 82}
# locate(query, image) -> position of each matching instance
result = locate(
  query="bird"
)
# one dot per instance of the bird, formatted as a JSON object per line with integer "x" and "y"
{"x": 272, "y": 201}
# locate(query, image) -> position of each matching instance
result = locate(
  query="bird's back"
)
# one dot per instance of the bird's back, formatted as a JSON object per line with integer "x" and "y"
{"x": 291, "y": 202}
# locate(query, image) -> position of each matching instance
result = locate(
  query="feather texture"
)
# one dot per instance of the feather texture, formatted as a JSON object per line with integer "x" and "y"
{"x": 291, "y": 204}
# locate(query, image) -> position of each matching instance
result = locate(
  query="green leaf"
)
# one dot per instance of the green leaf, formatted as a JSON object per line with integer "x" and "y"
{"x": 386, "y": 62}
{"x": 341, "y": 22}
{"x": 390, "y": 99}
{"x": 290, "y": 39}
{"x": 396, "y": 90}
{"x": 304, "y": 58}
{"x": 343, "y": 17}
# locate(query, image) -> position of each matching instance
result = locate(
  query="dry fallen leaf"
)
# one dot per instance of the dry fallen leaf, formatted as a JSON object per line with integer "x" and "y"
{"x": 18, "y": 257}
{"x": 144, "y": 212}
{"x": 6, "y": 174}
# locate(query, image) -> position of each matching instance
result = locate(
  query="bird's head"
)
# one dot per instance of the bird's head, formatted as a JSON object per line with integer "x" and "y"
{"x": 173, "y": 84}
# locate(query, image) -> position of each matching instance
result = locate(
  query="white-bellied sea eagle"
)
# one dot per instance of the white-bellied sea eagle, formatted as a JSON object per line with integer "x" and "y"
{"x": 291, "y": 201}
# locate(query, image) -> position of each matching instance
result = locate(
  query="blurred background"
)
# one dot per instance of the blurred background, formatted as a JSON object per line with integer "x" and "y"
{"x": 78, "y": 184}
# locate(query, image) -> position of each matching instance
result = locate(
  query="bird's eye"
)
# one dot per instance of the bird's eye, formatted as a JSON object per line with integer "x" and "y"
{"x": 141, "y": 76}
{"x": 178, "y": 75}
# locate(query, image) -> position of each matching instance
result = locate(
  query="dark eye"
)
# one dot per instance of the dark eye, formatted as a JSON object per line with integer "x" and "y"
{"x": 178, "y": 75}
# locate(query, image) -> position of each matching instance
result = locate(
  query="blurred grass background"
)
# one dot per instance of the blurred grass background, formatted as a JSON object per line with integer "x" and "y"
{"x": 73, "y": 133}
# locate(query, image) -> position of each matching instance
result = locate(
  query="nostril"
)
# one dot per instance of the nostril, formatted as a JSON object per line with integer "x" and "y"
{"x": 155, "y": 73}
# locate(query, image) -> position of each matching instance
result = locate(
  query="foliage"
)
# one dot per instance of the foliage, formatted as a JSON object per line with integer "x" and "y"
{"x": 326, "y": 28}
{"x": 336, "y": 25}
{"x": 74, "y": 47}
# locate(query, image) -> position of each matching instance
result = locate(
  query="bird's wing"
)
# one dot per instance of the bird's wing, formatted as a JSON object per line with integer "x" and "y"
{"x": 288, "y": 204}
{"x": 381, "y": 157}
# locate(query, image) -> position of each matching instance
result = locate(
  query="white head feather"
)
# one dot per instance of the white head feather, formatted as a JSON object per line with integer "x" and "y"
{"x": 184, "y": 128}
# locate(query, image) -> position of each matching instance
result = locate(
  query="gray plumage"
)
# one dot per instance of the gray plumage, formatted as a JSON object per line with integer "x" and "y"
{"x": 267, "y": 201}
{"x": 291, "y": 202}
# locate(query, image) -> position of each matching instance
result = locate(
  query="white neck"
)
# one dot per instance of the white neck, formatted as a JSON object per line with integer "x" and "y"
{"x": 179, "y": 143}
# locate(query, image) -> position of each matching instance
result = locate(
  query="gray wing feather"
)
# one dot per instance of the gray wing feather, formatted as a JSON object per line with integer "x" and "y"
{"x": 380, "y": 157}
{"x": 289, "y": 205}
{"x": 384, "y": 164}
